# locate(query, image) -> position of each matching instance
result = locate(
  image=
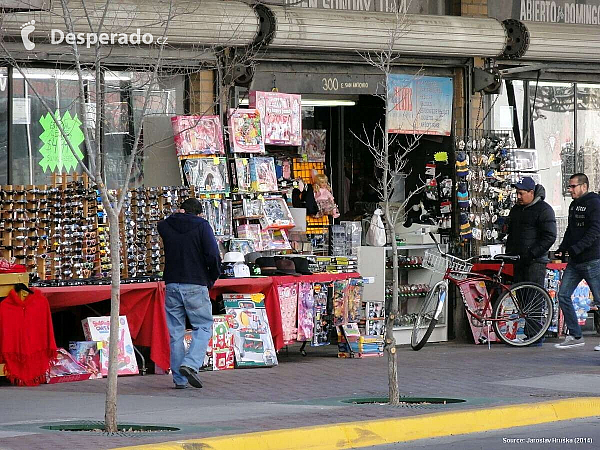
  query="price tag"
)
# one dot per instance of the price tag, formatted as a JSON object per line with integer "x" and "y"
{"x": 305, "y": 157}
{"x": 100, "y": 345}
{"x": 217, "y": 160}
{"x": 216, "y": 203}
{"x": 244, "y": 162}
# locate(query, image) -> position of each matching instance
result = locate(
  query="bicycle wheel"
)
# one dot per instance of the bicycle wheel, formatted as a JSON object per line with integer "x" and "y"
{"x": 525, "y": 312}
{"x": 428, "y": 315}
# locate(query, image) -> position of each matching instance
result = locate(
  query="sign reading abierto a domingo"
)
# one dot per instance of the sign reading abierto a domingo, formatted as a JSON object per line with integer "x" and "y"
{"x": 581, "y": 12}
{"x": 419, "y": 105}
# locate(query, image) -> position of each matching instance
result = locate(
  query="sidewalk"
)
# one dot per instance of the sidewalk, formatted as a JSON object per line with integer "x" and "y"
{"x": 308, "y": 392}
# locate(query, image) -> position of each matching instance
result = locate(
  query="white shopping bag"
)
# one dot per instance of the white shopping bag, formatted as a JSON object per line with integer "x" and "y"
{"x": 376, "y": 232}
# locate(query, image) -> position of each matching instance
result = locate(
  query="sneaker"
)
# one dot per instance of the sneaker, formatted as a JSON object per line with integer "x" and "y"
{"x": 597, "y": 348}
{"x": 181, "y": 386}
{"x": 191, "y": 375}
{"x": 569, "y": 342}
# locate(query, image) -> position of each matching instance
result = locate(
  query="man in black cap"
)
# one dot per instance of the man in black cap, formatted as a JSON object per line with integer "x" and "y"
{"x": 531, "y": 232}
{"x": 192, "y": 265}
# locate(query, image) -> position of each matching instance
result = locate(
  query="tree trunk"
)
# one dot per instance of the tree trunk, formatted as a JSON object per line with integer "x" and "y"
{"x": 110, "y": 411}
{"x": 390, "y": 341}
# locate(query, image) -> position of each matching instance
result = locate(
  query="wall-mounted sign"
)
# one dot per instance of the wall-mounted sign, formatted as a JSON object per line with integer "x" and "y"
{"x": 582, "y": 12}
{"x": 55, "y": 151}
{"x": 437, "y": 7}
{"x": 419, "y": 105}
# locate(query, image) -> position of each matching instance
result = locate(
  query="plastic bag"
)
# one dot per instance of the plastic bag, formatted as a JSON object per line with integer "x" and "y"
{"x": 376, "y": 233}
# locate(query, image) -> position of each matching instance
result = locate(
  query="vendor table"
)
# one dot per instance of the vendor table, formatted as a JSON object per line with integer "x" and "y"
{"x": 144, "y": 305}
{"x": 508, "y": 268}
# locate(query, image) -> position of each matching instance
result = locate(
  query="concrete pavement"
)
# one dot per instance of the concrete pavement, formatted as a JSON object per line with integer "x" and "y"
{"x": 309, "y": 392}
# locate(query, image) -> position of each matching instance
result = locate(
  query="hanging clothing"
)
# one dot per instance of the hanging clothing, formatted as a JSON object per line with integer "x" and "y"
{"x": 27, "y": 345}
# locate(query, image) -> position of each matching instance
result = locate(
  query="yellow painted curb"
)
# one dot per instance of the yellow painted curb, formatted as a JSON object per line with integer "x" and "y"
{"x": 389, "y": 431}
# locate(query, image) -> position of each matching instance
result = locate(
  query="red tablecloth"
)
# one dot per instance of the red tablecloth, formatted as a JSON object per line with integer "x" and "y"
{"x": 508, "y": 268}
{"x": 142, "y": 303}
{"x": 268, "y": 286}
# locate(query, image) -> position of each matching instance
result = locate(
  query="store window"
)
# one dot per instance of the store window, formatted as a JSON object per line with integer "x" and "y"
{"x": 3, "y": 125}
{"x": 37, "y": 148}
{"x": 588, "y": 132}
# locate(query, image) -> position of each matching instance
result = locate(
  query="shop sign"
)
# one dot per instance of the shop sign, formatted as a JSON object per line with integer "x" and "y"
{"x": 419, "y": 105}
{"x": 56, "y": 152}
{"x": 319, "y": 82}
{"x": 581, "y": 12}
{"x": 403, "y": 6}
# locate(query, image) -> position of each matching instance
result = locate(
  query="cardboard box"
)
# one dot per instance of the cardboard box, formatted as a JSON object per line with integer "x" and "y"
{"x": 1, "y": 370}
{"x": 8, "y": 281}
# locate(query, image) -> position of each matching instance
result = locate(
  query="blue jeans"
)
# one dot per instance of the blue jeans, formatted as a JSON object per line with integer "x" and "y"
{"x": 192, "y": 299}
{"x": 574, "y": 273}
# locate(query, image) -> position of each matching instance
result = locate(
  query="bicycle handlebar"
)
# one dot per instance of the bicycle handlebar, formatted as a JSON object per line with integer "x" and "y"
{"x": 499, "y": 257}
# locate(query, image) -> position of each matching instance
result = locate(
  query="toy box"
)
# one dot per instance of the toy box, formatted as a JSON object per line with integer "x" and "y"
{"x": 98, "y": 329}
{"x": 245, "y": 129}
{"x": 87, "y": 353}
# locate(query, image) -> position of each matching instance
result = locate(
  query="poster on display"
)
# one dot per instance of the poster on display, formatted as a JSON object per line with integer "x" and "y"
{"x": 281, "y": 116}
{"x": 306, "y": 302}
{"x": 419, "y": 105}
{"x": 242, "y": 170}
{"x": 208, "y": 175}
{"x": 321, "y": 316}
{"x": 253, "y": 344}
{"x": 116, "y": 118}
{"x": 313, "y": 145}
{"x": 245, "y": 129}
{"x": 197, "y": 135}
{"x": 98, "y": 329}
{"x": 523, "y": 160}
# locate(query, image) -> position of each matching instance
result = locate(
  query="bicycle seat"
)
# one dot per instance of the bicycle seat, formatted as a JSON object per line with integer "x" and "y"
{"x": 507, "y": 258}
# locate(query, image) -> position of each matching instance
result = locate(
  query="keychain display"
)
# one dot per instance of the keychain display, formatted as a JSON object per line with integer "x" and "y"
{"x": 485, "y": 170}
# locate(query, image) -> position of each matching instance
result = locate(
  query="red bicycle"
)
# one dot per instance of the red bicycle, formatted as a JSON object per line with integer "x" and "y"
{"x": 520, "y": 313}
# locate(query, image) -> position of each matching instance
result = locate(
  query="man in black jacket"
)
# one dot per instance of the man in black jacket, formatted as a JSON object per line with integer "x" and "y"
{"x": 192, "y": 265}
{"x": 582, "y": 244}
{"x": 531, "y": 232}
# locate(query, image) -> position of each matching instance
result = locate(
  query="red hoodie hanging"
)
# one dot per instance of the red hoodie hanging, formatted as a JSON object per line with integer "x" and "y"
{"x": 27, "y": 345}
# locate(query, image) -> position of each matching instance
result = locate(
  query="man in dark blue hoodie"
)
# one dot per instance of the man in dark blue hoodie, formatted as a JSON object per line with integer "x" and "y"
{"x": 192, "y": 265}
{"x": 582, "y": 244}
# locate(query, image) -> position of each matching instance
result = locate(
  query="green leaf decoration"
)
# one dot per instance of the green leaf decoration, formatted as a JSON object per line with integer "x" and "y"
{"x": 55, "y": 151}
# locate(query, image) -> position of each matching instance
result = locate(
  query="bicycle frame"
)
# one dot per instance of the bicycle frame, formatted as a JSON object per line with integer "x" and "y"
{"x": 498, "y": 288}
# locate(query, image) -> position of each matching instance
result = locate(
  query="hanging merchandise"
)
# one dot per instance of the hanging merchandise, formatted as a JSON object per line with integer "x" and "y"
{"x": 462, "y": 165}
{"x": 306, "y": 302}
{"x": 197, "y": 135}
{"x": 281, "y": 115}
{"x": 242, "y": 170}
{"x": 245, "y": 128}
{"x": 262, "y": 173}
{"x": 376, "y": 233}
{"x": 27, "y": 345}
{"x": 218, "y": 213}
{"x": 340, "y": 302}
{"x": 207, "y": 175}
{"x": 288, "y": 302}
{"x": 313, "y": 145}
{"x": 324, "y": 197}
{"x": 464, "y": 227}
{"x": 462, "y": 196}
{"x": 321, "y": 316}
{"x": 354, "y": 295}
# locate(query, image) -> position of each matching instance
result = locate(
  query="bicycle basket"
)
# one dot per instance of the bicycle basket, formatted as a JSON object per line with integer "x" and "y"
{"x": 440, "y": 263}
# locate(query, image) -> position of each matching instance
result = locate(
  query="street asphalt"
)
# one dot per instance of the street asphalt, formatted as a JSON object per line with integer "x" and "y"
{"x": 310, "y": 391}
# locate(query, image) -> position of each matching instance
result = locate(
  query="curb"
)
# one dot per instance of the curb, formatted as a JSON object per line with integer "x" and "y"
{"x": 389, "y": 431}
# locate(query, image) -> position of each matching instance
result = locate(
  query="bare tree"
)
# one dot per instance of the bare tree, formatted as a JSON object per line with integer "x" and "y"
{"x": 89, "y": 59}
{"x": 390, "y": 155}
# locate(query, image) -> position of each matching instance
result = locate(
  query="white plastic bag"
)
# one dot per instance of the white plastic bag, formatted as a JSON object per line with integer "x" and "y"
{"x": 376, "y": 232}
